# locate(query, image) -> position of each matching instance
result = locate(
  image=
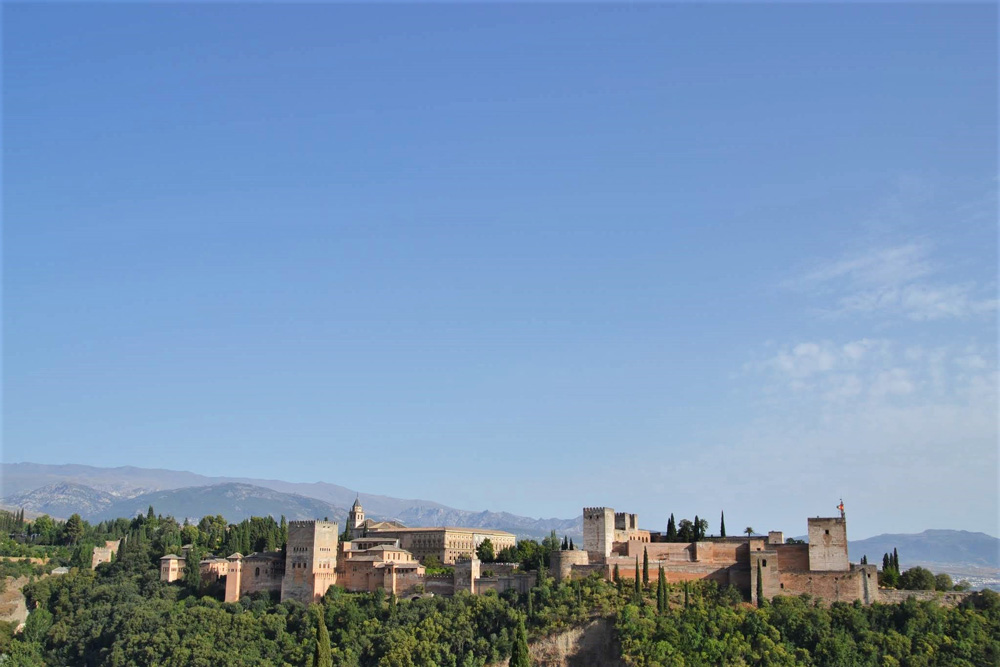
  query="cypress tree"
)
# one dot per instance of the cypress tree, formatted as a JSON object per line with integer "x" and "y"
{"x": 638, "y": 590}
{"x": 722, "y": 525}
{"x": 885, "y": 562}
{"x": 323, "y": 656}
{"x": 571, "y": 547}
{"x": 686, "y": 592}
{"x": 645, "y": 567}
{"x": 661, "y": 592}
{"x": 531, "y": 606}
{"x": 616, "y": 576}
{"x": 760, "y": 587}
{"x": 565, "y": 544}
{"x": 671, "y": 529}
{"x": 519, "y": 654}
{"x": 895, "y": 560}
{"x": 697, "y": 529}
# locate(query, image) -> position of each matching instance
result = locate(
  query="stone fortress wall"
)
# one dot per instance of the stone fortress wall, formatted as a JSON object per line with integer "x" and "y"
{"x": 820, "y": 568}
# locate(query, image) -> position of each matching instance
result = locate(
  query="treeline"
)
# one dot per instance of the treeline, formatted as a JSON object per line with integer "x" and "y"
{"x": 11, "y": 522}
{"x": 703, "y": 624}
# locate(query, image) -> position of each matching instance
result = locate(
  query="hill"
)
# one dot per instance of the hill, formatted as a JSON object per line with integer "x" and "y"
{"x": 123, "y": 491}
{"x": 945, "y": 547}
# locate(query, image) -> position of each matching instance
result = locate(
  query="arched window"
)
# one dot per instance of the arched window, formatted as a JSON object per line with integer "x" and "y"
{"x": 256, "y": 572}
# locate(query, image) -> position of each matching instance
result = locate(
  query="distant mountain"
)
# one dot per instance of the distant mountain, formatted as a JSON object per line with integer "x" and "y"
{"x": 141, "y": 486}
{"x": 233, "y": 501}
{"x": 63, "y": 499}
{"x": 946, "y": 547}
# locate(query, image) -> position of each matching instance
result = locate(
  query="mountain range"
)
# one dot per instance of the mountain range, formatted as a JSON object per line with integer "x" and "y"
{"x": 102, "y": 493}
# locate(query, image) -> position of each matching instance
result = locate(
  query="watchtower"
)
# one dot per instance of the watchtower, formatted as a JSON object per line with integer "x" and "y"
{"x": 310, "y": 560}
{"x": 828, "y": 544}
{"x": 598, "y": 531}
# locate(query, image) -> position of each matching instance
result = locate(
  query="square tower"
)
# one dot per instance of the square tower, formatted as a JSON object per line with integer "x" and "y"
{"x": 310, "y": 560}
{"x": 598, "y": 531}
{"x": 828, "y": 544}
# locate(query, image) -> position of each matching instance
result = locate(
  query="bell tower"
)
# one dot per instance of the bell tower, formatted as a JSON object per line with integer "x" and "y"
{"x": 356, "y": 519}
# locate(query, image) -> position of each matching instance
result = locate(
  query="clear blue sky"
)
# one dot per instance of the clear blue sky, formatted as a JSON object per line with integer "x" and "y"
{"x": 664, "y": 258}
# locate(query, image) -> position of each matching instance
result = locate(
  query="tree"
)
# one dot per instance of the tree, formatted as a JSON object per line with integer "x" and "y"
{"x": 323, "y": 656}
{"x": 616, "y": 577}
{"x": 485, "y": 551}
{"x": 519, "y": 654}
{"x": 638, "y": 590}
{"x": 73, "y": 530}
{"x": 696, "y": 529}
{"x": 661, "y": 592}
{"x": 685, "y": 531}
{"x": 645, "y": 567}
{"x": 722, "y": 525}
{"x": 943, "y": 582}
{"x": 917, "y": 579}
{"x": 760, "y": 586}
{"x": 671, "y": 529}
{"x": 192, "y": 568}
{"x": 571, "y": 547}
{"x": 748, "y": 530}
{"x": 895, "y": 559}
{"x": 700, "y": 528}
{"x": 565, "y": 543}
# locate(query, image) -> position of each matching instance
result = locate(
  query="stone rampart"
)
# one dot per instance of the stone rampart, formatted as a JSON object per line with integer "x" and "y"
{"x": 947, "y": 598}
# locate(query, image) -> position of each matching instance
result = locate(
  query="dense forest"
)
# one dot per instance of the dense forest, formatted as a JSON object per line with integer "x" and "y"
{"x": 121, "y": 614}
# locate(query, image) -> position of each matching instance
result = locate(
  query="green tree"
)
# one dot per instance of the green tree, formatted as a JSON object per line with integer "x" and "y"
{"x": 571, "y": 547}
{"x": 638, "y": 589}
{"x": 192, "y": 568}
{"x": 661, "y": 592}
{"x": 519, "y": 654}
{"x": 748, "y": 530}
{"x": 671, "y": 529}
{"x": 37, "y": 625}
{"x": 616, "y": 576}
{"x": 722, "y": 524}
{"x": 485, "y": 551}
{"x": 943, "y": 582}
{"x": 917, "y": 579}
{"x": 645, "y": 567}
{"x": 73, "y": 530}
{"x": 323, "y": 656}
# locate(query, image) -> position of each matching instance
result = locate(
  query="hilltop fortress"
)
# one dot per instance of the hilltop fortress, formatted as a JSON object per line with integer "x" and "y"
{"x": 389, "y": 556}
{"x": 820, "y": 568}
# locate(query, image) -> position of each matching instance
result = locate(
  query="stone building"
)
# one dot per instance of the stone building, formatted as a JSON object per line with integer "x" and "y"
{"x": 104, "y": 554}
{"x": 310, "y": 560}
{"x": 449, "y": 544}
{"x": 820, "y": 568}
{"x": 370, "y": 564}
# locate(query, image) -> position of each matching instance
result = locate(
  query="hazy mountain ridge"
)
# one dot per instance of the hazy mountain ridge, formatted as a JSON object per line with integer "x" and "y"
{"x": 931, "y": 546}
{"x": 63, "y": 499}
{"x": 125, "y": 491}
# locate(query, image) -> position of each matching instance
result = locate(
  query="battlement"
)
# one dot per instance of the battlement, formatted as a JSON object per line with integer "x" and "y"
{"x": 596, "y": 510}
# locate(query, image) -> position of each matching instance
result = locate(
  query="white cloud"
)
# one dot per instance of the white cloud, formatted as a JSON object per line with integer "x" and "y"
{"x": 901, "y": 280}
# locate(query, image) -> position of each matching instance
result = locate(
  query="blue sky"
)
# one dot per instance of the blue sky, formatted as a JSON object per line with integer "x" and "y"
{"x": 665, "y": 258}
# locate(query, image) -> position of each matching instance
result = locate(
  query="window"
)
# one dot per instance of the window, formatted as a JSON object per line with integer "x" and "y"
{"x": 764, "y": 563}
{"x": 256, "y": 572}
{"x": 827, "y": 532}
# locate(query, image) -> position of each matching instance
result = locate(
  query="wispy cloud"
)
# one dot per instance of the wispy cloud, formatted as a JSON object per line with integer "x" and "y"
{"x": 899, "y": 280}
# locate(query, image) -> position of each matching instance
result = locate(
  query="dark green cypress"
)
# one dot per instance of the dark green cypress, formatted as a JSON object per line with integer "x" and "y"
{"x": 638, "y": 590}
{"x": 645, "y": 567}
{"x": 323, "y": 656}
{"x": 722, "y": 525}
